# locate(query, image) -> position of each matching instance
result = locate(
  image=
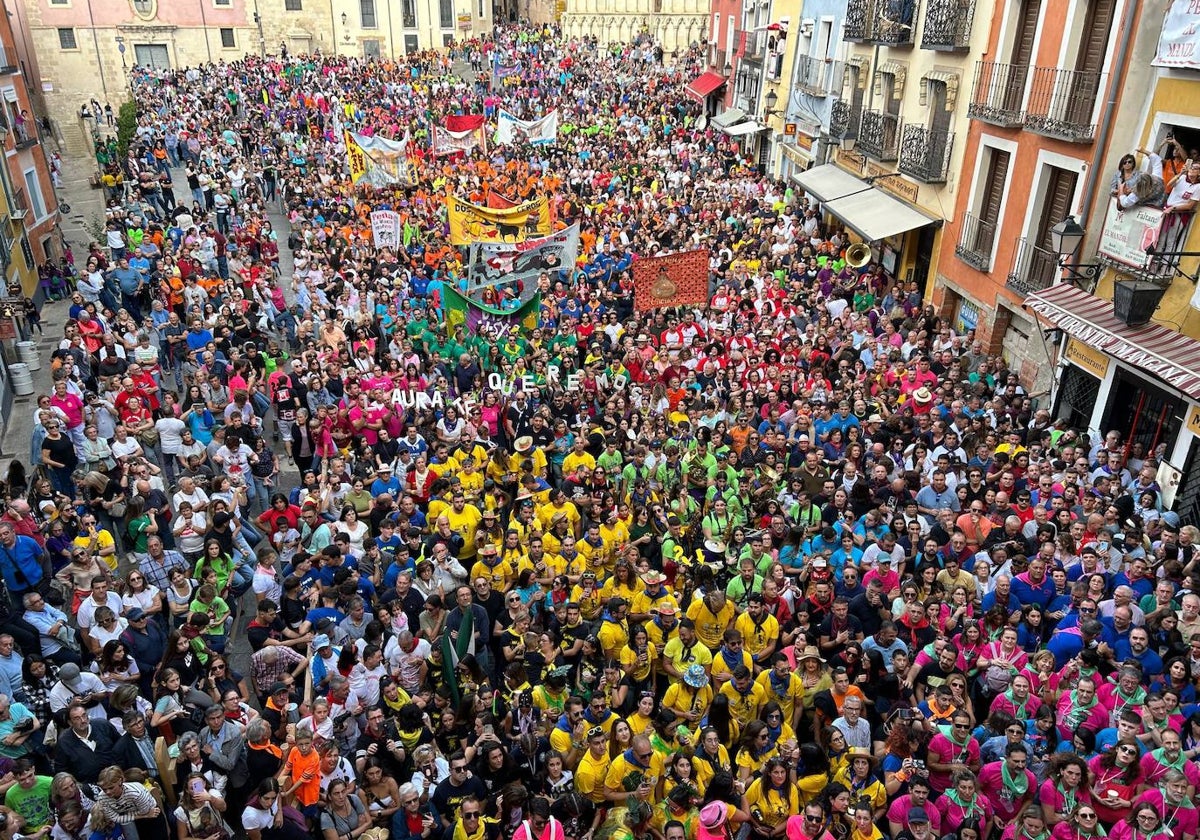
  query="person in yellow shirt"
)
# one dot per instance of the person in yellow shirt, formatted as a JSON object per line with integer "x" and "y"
{"x": 638, "y": 659}
{"x": 662, "y": 627}
{"x": 623, "y": 583}
{"x": 560, "y": 504}
{"x": 578, "y": 456}
{"x": 587, "y": 595}
{"x": 754, "y": 750}
{"x": 613, "y": 531}
{"x": 527, "y": 454}
{"x": 614, "y": 632}
{"x": 511, "y": 551}
{"x": 639, "y": 760}
{"x": 651, "y": 597}
{"x": 783, "y": 686}
{"x": 490, "y": 566}
{"x": 465, "y": 520}
{"x": 772, "y": 798}
{"x": 599, "y": 554}
{"x": 684, "y": 650}
{"x": 97, "y": 542}
{"x": 711, "y": 757}
{"x": 712, "y": 614}
{"x": 556, "y": 534}
{"x": 731, "y": 656}
{"x": 593, "y": 768}
{"x": 641, "y": 719}
{"x": 471, "y": 480}
{"x": 690, "y": 697}
{"x": 759, "y": 629}
{"x": 746, "y": 697}
{"x": 859, "y": 776}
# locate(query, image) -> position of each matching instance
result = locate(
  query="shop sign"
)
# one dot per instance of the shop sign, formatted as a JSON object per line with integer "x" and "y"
{"x": 795, "y": 155}
{"x": 1193, "y": 420}
{"x": 968, "y": 316}
{"x": 851, "y": 161}
{"x": 893, "y": 183}
{"x": 1088, "y": 358}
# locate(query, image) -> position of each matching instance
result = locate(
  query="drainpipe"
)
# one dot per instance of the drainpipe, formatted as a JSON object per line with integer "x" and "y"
{"x": 1095, "y": 174}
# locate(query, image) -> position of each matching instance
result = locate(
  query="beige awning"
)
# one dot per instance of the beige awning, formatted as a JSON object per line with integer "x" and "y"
{"x": 946, "y": 77}
{"x": 731, "y": 116}
{"x": 747, "y": 127}
{"x": 875, "y": 215}
{"x": 828, "y": 182}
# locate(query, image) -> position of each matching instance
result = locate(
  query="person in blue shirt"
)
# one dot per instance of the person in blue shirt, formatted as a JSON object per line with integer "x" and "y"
{"x": 385, "y": 483}
{"x": 936, "y": 496}
{"x": 198, "y": 337}
{"x": 1137, "y": 647}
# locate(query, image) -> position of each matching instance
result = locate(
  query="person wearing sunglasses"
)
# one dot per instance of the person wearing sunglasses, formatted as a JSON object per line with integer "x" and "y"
{"x": 641, "y": 759}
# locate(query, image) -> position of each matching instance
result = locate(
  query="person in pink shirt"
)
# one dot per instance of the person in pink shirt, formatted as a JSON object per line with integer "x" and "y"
{"x": 1066, "y": 786}
{"x": 1174, "y": 808}
{"x": 1142, "y": 823}
{"x": 72, "y": 406}
{"x": 1125, "y": 694}
{"x": 1017, "y": 700}
{"x": 1029, "y": 825}
{"x": 1084, "y": 824}
{"x": 917, "y": 797}
{"x": 952, "y": 751}
{"x": 1115, "y": 779}
{"x": 1157, "y": 764}
{"x": 1010, "y": 784}
{"x": 962, "y": 802}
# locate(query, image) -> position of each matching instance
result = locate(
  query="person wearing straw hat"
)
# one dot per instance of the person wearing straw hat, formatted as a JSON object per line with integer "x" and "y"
{"x": 652, "y": 597}
{"x": 859, "y": 775}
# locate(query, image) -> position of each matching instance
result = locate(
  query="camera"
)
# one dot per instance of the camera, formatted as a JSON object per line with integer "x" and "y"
{"x": 907, "y": 713}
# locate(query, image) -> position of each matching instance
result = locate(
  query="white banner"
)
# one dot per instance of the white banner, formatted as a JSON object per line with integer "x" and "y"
{"x": 1128, "y": 233}
{"x": 385, "y": 228}
{"x": 386, "y": 160}
{"x": 537, "y": 132}
{"x": 491, "y": 263}
{"x": 447, "y": 142}
{"x": 1177, "y": 43}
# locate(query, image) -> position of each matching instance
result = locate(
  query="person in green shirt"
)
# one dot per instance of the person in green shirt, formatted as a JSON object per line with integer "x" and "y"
{"x": 30, "y": 797}
{"x": 139, "y": 525}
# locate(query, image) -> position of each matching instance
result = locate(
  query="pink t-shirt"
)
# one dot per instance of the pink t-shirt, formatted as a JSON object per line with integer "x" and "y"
{"x": 1005, "y": 802}
{"x": 1052, "y": 797}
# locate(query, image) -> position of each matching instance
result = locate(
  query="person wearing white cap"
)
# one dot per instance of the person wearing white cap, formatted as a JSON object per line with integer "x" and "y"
{"x": 76, "y": 686}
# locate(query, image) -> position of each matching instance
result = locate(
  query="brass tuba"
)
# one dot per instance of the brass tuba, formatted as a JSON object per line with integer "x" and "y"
{"x": 858, "y": 255}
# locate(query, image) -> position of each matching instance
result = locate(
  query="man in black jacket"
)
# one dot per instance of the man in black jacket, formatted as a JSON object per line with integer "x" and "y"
{"x": 135, "y": 749}
{"x": 87, "y": 747}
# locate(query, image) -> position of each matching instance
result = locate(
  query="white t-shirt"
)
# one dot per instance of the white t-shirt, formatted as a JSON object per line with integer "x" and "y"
{"x": 256, "y": 818}
{"x": 266, "y": 584}
{"x": 86, "y": 617}
{"x": 170, "y": 434}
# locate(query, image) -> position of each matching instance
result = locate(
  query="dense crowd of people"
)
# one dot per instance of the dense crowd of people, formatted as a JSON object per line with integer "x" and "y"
{"x": 801, "y": 561}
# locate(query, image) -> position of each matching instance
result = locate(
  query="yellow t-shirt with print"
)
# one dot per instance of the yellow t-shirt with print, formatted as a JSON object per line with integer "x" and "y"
{"x": 744, "y": 707}
{"x": 757, "y": 637}
{"x": 501, "y": 574}
{"x": 710, "y": 628}
{"x": 465, "y": 523}
{"x": 574, "y": 459}
{"x": 770, "y": 806}
{"x": 613, "y": 636}
{"x": 789, "y": 694}
{"x": 590, "y": 776}
{"x": 629, "y": 661}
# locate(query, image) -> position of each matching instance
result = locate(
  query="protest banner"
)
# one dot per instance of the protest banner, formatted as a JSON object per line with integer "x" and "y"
{"x": 491, "y": 263}
{"x": 470, "y": 223}
{"x": 496, "y": 201}
{"x": 378, "y": 161}
{"x": 537, "y": 132}
{"x": 671, "y": 280}
{"x": 461, "y": 133}
{"x": 472, "y": 316}
{"x": 385, "y": 228}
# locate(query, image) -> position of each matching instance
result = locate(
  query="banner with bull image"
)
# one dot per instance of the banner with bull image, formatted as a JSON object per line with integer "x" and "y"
{"x": 460, "y": 134}
{"x": 510, "y": 130}
{"x": 470, "y": 223}
{"x": 386, "y": 228}
{"x": 491, "y": 264}
{"x": 473, "y": 316}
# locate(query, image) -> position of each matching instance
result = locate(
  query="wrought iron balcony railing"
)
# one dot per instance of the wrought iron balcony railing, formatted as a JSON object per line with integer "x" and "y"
{"x": 925, "y": 153}
{"x": 1033, "y": 268}
{"x": 879, "y": 135}
{"x": 895, "y": 22}
{"x": 975, "y": 242}
{"x": 998, "y": 92}
{"x": 1062, "y": 102}
{"x": 859, "y": 24}
{"x": 948, "y": 25}
{"x": 843, "y": 119}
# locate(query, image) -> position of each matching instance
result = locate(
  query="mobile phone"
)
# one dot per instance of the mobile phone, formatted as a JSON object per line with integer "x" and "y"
{"x": 907, "y": 714}
{"x": 196, "y": 786}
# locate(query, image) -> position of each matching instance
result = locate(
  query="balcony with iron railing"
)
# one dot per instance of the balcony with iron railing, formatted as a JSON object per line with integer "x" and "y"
{"x": 25, "y": 134}
{"x": 859, "y": 24}
{"x": 752, "y": 44}
{"x": 998, "y": 92}
{"x": 843, "y": 119}
{"x": 818, "y": 76}
{"x": 8, "y": 61}
{"x": 879, "y": 135}
{"x": 925, "y": 153}
{"x": 975, "y": 242}
{"x": 895, "y": 22}
{"x": 948, "y": 25}
{"x": 1033, "y": 268}
{"x": 1061, "y": 104}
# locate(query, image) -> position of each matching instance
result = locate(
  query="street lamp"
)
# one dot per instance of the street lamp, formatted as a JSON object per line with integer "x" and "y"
{"x": 120, "y": 39}
{"x": 771, "y": 100}
{"x": 1065, "y": 239}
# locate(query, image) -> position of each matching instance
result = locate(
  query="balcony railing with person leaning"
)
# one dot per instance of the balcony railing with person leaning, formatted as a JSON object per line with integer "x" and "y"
{"x": 859, "y": 24}
{"x": 998, "y": 92}
{"x": 818, "y": 76}
{"x": 895, "y": 22}
{"x": 925, "y": 153}
{"x": 1062, "y": 102}
{"x": 975, "y": 242}
{"x": 947, "y": 25}
{"x": 843, "y": 119}
{"x": 879, "y": 135}
{"x": 1033, "y": 268}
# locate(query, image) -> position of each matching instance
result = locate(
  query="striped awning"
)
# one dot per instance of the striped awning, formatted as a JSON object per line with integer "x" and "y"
{"x": 1172, "y": 357}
